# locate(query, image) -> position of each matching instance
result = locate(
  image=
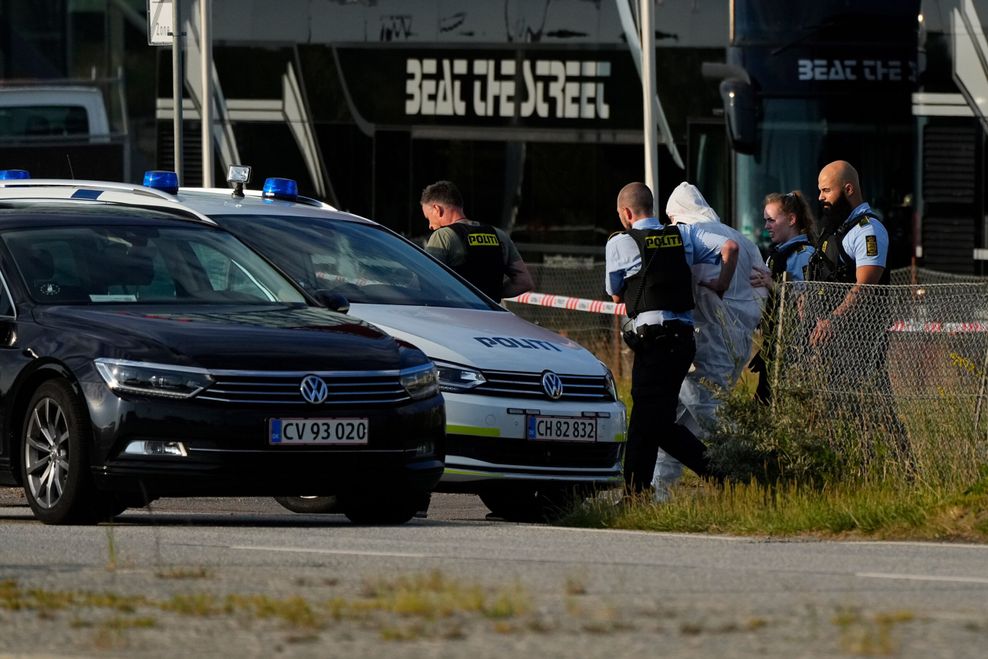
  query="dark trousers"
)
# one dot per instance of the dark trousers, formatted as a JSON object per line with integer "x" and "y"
{"x": 661, "y": 364}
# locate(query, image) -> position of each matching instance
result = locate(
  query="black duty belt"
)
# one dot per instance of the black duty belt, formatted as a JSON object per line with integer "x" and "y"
{"x": 670, "y": 328}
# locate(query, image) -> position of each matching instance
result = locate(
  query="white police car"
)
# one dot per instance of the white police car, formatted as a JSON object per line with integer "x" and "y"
{"x": 532, "y": 417}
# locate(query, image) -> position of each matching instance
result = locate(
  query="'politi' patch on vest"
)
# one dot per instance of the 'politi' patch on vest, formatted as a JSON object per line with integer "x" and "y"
{"x": 483, "y": 240}
{"x": 669, "y": 240}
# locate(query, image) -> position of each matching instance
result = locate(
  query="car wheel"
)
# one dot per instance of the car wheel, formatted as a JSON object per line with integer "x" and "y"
{"x": 380, "y": 507}
{"x": 528, "y": 503}
{"x": 55, "y": 458}
{"x": 310, "y": 505}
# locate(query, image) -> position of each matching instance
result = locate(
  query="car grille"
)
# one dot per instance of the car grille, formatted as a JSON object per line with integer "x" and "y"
{"x": 529, "y": 385}
{"x": 524, "y": 452}
{"x": 283, "y": 388}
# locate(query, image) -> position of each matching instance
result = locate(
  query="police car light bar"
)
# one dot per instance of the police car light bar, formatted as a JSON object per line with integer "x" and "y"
{"x": 161, "y": 180}
{"x": 280, "y": 188}
{"x": 14, "y": 174}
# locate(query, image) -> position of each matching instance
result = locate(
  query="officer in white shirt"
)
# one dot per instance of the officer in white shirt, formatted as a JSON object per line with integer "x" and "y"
{"x": 648, "y": 268}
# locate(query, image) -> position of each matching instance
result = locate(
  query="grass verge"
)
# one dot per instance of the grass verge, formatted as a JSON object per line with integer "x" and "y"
{"x": 879, "y": 510}
{"x": 797, "y": 468}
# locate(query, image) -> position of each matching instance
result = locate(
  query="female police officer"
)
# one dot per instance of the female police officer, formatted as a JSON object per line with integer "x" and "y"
{"x": 789, "y": 222}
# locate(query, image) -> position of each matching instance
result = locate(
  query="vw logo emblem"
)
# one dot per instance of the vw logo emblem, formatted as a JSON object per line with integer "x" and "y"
{"x": 314, "y": 389}
{"x": 552, "y": 385}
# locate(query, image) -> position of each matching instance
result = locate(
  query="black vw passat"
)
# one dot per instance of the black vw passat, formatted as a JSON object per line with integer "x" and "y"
{"x": 146, "y": 353}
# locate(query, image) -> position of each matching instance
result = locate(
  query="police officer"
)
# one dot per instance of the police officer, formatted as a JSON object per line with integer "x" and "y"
{"x": 649, "y": 269}
{"x": 483, "y": 255}
{"x": 789, "y": 222}
{"x": 853, "y": 249}
{"x": 853, "y": 246}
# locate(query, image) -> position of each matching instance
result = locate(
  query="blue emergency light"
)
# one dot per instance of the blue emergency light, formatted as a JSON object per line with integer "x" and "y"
{"x": 280, "y": 188}
{"x": 161, "y": 180}
{"x": 14, "y": 174}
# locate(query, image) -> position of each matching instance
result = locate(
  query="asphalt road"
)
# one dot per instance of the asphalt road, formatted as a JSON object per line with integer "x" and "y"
{"x": 243, "y": 577}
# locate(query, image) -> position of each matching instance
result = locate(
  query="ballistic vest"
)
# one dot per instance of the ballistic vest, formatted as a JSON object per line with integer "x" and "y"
{"x": 483, "y": 266}
{"x": 832, "y": 263}
{"x": 665, "y": 282}
{"x": 778, "y": 259}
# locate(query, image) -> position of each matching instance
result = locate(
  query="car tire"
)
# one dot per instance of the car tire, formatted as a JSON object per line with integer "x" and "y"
{"x": 529, "y": 503}
{"x": 55, "y": 442}
{"x": 387, "y": 507}
{"x": 311, "y": 505}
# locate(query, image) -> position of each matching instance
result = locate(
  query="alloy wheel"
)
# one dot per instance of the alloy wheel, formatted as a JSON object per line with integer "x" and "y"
{"x": 46, "y": 455}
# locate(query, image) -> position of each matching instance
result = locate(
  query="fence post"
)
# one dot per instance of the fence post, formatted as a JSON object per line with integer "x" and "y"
{"x": 780, "y": 317}
{"x": 981, "y": 391}
{"x": 616, "y": 350}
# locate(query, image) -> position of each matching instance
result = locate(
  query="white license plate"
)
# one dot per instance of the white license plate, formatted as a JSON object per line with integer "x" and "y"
{"x": 318, "y": 431}
{"x": 562, "y": 428}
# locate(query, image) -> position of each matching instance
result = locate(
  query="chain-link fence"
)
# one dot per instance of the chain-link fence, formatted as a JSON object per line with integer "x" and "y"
{"x": 901, "y": 371}
{"x": 888, "y": 371}
{"x": 922, "y": 276}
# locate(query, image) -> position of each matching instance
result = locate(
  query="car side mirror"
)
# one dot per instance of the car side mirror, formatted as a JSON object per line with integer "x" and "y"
{"x": 333, "y": 301}
{"x": 740, "y": 105}
{"x": 739, "y": 112}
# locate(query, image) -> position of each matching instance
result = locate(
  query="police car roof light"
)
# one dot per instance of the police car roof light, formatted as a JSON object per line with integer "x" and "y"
{"x": 280, "y": 188}
{"x": 14, "y": 174}
{"x": 161, "y": 180}
{"x": 238, "y": 175}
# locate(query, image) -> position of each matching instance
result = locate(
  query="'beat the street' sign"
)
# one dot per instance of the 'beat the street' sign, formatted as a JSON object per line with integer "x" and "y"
{"x": 545, "y": 88}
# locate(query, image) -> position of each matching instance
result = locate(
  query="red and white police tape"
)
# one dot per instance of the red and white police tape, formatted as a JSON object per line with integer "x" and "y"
{"x": 571, "y": 303}
{"x": 618, "y": 309}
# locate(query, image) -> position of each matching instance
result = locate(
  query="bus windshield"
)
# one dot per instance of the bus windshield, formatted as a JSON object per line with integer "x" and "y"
{"x": 806, "y": 22}
{"x": 796, "y": 140}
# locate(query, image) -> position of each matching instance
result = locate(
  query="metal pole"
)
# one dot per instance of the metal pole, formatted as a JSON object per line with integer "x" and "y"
{"x": 631, "y": 34}
{"x": 177, "y": 86}
{"x": 206, "y": 60}
{"x": 648, "y": 94}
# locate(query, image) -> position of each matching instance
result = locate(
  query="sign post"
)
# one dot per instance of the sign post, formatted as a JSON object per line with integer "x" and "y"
{"x": 163, "y": 19}
{"x": 648, "y": 96}
{"x": 206, "y": 64}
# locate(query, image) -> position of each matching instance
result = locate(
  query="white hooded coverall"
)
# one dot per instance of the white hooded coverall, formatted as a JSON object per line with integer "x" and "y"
{"x": 724, "y": 328}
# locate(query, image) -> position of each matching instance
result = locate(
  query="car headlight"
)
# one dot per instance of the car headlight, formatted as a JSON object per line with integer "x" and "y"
{"x": 453, "y": 377}
{"x": 611, "y": 384}
{"x": 420, "y": 381}
{"x": 150, "y": 379}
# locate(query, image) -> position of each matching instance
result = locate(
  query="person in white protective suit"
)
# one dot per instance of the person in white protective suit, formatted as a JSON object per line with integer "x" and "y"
{"x": 724, "y": 327}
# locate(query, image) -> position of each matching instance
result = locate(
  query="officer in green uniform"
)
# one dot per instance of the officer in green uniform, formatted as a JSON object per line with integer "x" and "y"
{"x": 483, "y": 255}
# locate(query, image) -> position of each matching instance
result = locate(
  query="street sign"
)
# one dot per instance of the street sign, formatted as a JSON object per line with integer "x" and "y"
{"x": 160, "y": 22}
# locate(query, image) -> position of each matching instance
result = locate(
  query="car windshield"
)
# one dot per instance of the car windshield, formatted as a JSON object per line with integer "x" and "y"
{"x": 363, "y": 262}
{"x": 143, "y": 264}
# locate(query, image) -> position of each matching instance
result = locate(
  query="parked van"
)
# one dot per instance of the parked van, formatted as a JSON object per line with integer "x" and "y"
{"x": 59, "y": 131}
{"x": 43, "y": 113}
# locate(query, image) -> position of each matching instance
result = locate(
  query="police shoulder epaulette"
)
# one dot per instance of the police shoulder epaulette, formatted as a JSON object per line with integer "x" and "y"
{"x": 863, "y": 222}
